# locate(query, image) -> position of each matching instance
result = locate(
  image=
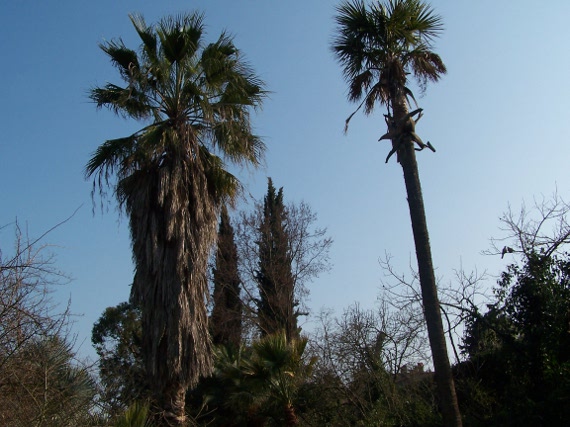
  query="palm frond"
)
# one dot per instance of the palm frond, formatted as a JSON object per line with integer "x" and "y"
{"x": 413, "y": 21}
{"x": 123, "y": 58}
{"x": 354, "y": 29}
{"x": 378, "y": 92}
{"x": 148, "y": 37}
{"x": 123, "y": 157}
{"x": 135, "y": 415}
{"x": 109, "y": 155}
{"x": 222, "y": 185}
{"x": 427, "y": 65}
{"x": 410, "y": 94}
{"x": 426, "y": 22}
{"x": 235, "y": 139}
{"x": 180, "y": 36}
{"x": 127, "y": 102}
{"x": 243, "y": 88}
{"x": 228, "y": 74}
{"x": 218, "y": 61}
{"x": 360, "y": 84}
{"x": 380, "y": 44}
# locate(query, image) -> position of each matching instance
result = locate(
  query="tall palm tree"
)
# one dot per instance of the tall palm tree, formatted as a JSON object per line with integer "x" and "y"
{"x": 379, "y": 46}
{"x": 194, "y": 102}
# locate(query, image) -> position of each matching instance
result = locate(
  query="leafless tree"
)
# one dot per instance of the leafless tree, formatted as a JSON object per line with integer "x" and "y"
{"x": 41, "y": 382}
{"x": 379, "y": 337}
{"x": 458, "y": 299}
{"x": 542, "y": 227}
{"x": 27, "y": 279}
{"x": 364, "y": 354}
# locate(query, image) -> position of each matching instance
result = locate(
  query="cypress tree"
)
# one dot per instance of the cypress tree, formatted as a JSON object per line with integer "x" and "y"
{"x": 226, "y": 317}
{"x": 276, "y": 304}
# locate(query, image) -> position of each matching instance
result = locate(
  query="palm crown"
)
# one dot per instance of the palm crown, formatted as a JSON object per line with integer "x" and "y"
{"x": 196, "y": 98}
{"x": 378, "y": 48}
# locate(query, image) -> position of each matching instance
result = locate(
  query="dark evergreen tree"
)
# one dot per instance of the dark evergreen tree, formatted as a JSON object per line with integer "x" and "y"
{"x": 226, "y": 315}
{"x": 117, "y": 338}
{"x": 519, "y": 351}
{"x": 276, "y": 304}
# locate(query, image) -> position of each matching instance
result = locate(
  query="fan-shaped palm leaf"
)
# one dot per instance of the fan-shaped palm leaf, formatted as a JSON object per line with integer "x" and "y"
{"x": 276, "y": 370}
{"x": 378, "y": 46}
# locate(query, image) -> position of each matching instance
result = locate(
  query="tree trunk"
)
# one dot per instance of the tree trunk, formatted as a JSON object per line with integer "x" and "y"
{"x": 432, "y": 312}
{"x": 290, "y": 416}
{"x": 171, "y": 405}
{"x": 169, "y": 394}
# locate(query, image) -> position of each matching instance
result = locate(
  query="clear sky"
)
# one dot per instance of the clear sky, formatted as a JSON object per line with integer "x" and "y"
{"x": 499, "y": 121}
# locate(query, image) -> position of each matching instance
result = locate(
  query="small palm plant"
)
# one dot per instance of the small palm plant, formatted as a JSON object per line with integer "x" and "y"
{"x": 256, "y": 385}
{"x": 276, "y": 370}
{"x": 226, "y": 395}
{"x": 135, "y": 415}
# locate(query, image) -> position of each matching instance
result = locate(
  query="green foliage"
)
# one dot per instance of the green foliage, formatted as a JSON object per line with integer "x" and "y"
{"x": 381, "y": 43}
{"x": 42, "y": 385}
{"x": 257, "y": 385}
{"x": 116, "y": 337}
{"x": 276, "y": 285}
{"x": 278, "y": 366}
{"x": 223, "y": 399}
{"x": 226, "y": 318}
{"x": 520, "y": 349}
{"x": 135, "y": 415}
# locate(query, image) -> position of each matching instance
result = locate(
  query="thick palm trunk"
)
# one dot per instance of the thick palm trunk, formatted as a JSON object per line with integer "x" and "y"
{"x": 173, "y": 226}
{"x": 173, "y": 403}
{"x": 432, "y": 312}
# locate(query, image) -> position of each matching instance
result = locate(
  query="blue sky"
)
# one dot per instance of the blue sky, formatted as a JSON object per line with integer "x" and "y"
{"x": 499, "y": 121}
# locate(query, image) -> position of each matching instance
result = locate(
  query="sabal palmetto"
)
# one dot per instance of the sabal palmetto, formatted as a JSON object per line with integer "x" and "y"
{"x": 194, "y": 101}
{"x": 379, "y": 46}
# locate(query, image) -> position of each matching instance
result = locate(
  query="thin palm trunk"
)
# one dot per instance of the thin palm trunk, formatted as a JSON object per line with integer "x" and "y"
{"x": 432, "y": 312}
{"x": 379, "y": 46}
